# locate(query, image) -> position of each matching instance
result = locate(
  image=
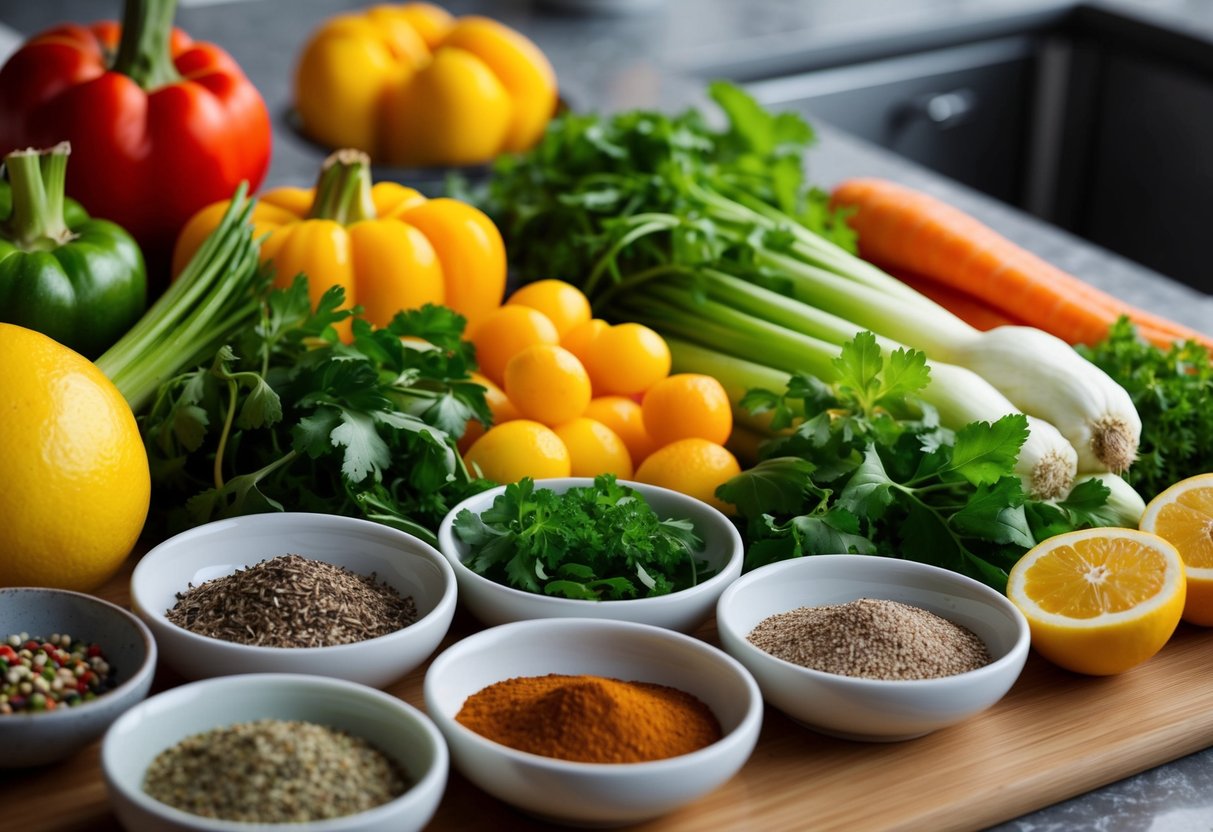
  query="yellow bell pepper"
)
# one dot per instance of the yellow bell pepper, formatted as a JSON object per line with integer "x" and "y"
{"x": 388, "y": 246}
{"x": 413, "y": 86}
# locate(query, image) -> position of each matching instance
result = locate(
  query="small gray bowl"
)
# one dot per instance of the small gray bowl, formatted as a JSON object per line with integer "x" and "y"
{"x": 34, "y": 739}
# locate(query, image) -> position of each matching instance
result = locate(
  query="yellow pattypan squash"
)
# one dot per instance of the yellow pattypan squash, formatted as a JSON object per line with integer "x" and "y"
{"x": 413, "y": 86}
{"x": 388, "y": 246}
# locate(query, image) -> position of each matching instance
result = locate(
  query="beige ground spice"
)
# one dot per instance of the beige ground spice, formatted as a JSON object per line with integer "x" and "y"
{"x": 873, "y": 639}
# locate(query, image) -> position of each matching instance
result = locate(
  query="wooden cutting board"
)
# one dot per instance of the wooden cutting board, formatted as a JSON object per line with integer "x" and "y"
{"x": 1055, "y": 735}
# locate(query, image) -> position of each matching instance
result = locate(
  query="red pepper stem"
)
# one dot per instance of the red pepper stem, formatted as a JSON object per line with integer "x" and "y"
{"x": 37, "y": 179}
{"x": 343, "y": 191}
{"x": 144, "y": 53}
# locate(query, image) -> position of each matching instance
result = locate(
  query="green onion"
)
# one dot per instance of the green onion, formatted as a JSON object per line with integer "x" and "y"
{"x": 216, "y": 295}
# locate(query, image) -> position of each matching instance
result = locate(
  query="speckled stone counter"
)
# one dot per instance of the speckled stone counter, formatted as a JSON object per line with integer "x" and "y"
{"x": 660, "y": 57}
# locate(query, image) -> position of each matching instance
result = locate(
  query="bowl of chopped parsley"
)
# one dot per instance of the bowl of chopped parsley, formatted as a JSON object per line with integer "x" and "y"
{"x": 581, "y": 547}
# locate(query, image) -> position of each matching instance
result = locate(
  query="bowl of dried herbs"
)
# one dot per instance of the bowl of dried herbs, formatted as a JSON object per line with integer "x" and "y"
{"x": 581, "y": 547}
{"x": 295, "y": 592}
{"x": 312, "y": 752}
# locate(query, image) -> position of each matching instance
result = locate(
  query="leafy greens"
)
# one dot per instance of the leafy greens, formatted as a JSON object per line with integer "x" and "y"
{"x": 869, "y": 470}
{"x": 288, "y": 416}
{"x": 596, "y": 542}
{"x": 1171, "y": 389}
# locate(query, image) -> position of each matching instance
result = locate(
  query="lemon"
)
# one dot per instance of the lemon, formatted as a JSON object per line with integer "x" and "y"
{"x": 626, "y": 359}
{"x": 74, "y": 481}
{"x": 686, "y": 405}
{"x": 563, "y": 303}
{"x": 594, "y": 449}
{"x": 1100, "y": 601}
{"x": 694, "y": 466}
{"x": 547, "y": 384}
{"x": 1183, "y": 515}
{"x": 625, "y": 417}
{"x": 505, "y": 332}
{"x": 519, "y": 448}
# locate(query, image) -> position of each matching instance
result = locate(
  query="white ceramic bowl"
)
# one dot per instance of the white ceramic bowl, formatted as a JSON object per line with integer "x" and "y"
{"x": 394, "y": 727}
{"x": 33, "y": 739}
{"x": 495, "y": 603}
{"x": 594, "y": 794}
{"x": 219, "y": 548}
{"x": 873, "y": 709}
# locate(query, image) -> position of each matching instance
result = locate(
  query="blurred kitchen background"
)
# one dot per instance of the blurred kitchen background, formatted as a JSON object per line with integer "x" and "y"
{"x": 1095, "y": 116}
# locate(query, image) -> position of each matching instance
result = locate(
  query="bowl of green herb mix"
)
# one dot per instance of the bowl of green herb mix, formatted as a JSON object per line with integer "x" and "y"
{"x": 277, "y": 749}
{"x": 580, "y": 547}
{"x": 295, "y": 592}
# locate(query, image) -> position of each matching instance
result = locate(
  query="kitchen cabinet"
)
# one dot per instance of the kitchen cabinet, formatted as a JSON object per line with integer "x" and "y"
{"x": 1099, "y": 123}
{"x": 961, "y": 111}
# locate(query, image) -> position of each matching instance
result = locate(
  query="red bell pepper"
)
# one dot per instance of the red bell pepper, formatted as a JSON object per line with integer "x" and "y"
{"x": 160, "y": 125}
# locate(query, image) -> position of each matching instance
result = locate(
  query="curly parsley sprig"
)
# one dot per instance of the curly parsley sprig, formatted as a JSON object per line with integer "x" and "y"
{"x": 597, "y": 542}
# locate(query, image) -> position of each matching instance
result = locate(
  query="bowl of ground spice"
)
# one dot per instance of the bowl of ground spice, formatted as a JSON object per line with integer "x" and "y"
{"x": 581, "y": 547}
{"x": 591, "y": 722}
{"x": 70, "y": 664}
{"x": 873, "y": 648}
{"x": 295, "y": 593}
{"x": 308, "y": 751}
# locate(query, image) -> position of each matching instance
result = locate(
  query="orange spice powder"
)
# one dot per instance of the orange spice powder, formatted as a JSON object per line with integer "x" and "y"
{"x": 591, "y": 719}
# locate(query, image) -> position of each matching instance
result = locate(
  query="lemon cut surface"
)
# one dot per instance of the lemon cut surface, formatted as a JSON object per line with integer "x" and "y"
{"x": 1183, "y": 515}
{"x": 1100, "y": 601}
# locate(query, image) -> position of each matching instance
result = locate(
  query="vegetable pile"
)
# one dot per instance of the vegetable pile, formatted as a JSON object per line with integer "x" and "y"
{"x": 871, "y": 471}
{"x": 712, "y": 239}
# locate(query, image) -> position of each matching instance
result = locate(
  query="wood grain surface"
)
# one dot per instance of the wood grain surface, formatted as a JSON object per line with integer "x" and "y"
{"x": 1055, "y": 735}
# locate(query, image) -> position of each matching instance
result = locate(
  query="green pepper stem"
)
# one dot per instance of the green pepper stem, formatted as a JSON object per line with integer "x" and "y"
{"x": 37, "y": 178}
{"x": 343, "y": 191}
{"x": 144, "y": 52}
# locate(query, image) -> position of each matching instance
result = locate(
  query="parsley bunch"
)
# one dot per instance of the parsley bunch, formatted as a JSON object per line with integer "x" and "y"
{"x": 600, "y": 542}
{"x": 869, "y": 470}
{"x": 1171, "y": 389}
{"x": 290, "y": 418}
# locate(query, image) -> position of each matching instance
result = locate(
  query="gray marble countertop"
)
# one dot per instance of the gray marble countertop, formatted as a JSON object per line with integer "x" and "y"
{"x": 660, "y": 57}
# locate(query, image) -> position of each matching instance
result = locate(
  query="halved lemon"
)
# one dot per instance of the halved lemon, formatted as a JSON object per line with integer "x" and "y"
{"x": 1100, "y": 601}
{"x": 1183, "y": 515}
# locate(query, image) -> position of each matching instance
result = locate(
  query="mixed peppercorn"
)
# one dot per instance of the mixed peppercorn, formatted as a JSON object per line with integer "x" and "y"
{"x": 39, "y": 674}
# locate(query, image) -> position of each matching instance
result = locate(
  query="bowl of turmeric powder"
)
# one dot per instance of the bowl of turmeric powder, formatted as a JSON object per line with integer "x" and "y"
{"x": 593, "y": 722}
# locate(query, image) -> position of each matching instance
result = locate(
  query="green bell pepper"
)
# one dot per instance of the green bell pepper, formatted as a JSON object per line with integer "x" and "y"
{"x": 79, "y": 280}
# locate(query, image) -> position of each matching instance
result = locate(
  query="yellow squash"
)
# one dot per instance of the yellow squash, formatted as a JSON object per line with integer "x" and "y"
{"x": 388, "y": 246}
{"x": 413, "y": 86}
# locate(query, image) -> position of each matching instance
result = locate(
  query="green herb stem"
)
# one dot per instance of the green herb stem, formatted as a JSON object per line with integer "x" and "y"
{"x": 215, "y": 296}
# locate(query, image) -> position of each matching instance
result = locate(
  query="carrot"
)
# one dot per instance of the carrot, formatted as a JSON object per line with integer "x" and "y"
{"x": 904, "y": 230}
{"x": 971, "y": 310}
